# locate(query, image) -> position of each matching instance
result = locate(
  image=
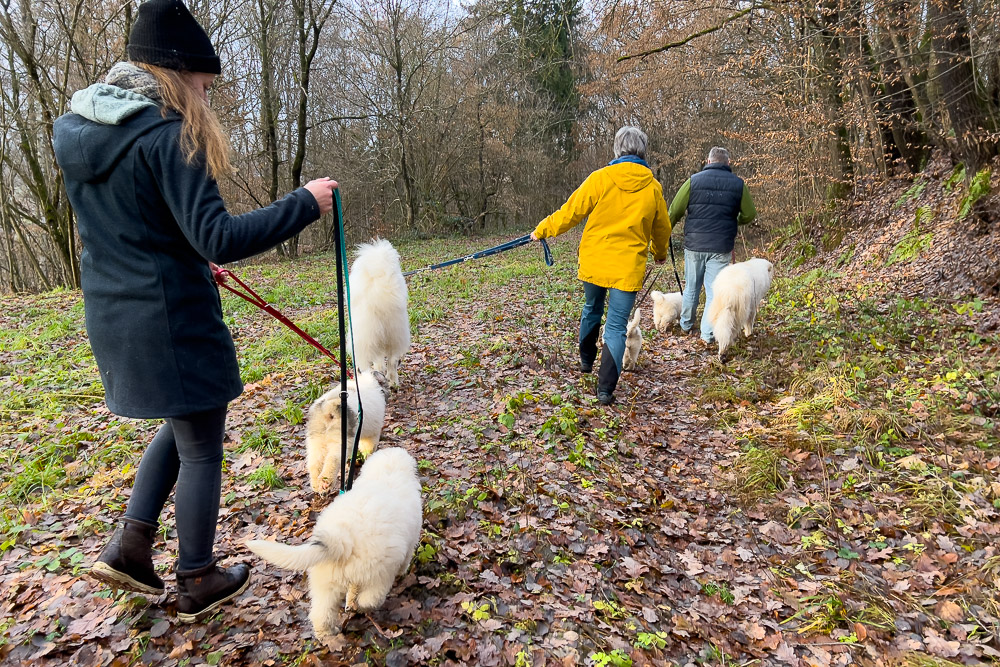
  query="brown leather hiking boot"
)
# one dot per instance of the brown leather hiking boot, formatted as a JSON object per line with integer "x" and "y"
{"x": 126, "y": 563}
{"x": 201, "y": 592}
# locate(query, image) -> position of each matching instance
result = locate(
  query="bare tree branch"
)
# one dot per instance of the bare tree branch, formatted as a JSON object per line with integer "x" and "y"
{"x": 696, "y": 35}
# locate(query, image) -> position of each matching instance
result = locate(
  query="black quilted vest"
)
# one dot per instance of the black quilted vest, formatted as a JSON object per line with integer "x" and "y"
{"x": 714, "y": 203}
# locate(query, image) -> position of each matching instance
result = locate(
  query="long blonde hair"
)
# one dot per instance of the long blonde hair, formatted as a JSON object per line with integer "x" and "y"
{"x": 201, "y": 132}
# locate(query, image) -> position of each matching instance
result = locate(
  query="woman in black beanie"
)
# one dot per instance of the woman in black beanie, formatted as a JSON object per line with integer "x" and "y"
{"x": 141, "y": 153}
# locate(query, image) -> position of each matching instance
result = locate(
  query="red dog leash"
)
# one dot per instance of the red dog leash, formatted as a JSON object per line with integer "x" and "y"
{"x": 221, "y": 275}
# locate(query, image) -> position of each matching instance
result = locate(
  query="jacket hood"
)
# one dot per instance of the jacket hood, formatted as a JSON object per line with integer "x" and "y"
{"x": 104, "y": 124}
{"x": 630, "y": 176}
{"x": 109, "y": 105}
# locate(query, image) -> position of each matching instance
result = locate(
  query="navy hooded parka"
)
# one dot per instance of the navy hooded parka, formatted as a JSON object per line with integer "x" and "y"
{"x": 150, "y": 222}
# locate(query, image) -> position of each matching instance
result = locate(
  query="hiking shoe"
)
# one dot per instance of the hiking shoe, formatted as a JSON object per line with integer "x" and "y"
{"x": 201, "y": 592}
{"x": 605, "y": 398}
{"x": 586, "y": 368}
{"x": 126, "y": 563}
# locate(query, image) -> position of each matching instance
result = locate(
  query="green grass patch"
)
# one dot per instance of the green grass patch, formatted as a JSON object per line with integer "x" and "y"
{"x": 978, "y": 188}
{"x": 266, "y": 477}
{"x": 915, "y": 241}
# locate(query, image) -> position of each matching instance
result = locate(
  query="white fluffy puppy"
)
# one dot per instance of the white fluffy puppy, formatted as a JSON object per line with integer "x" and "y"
{"x": 323, "y": 427}
{"x": 666, "y": 309}
{"x": 633, "y": 342}
{"x": 362, "y": 541}
{"x": 380, "y": 324}
{"x": 737, "y": 292}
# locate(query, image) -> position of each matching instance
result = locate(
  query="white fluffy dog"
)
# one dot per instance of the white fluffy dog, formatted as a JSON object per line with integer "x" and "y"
{"x": 362, "y": 541}
{"x": 633, "y": 342}
{"x": 323, "y": 427}
{"x": 666, "y": 309}
{"x": 380, "y": 325}
{"x": 737, "y": 292}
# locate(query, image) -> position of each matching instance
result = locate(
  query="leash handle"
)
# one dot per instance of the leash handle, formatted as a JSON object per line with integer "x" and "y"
{"x": 548, "y": 253}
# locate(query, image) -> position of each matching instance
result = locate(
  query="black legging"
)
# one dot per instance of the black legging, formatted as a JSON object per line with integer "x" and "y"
{"x": 186, "y": 451}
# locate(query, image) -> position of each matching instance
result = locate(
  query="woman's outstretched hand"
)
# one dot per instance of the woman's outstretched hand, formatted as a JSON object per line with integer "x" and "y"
{"x": 533, "y": 237}
{"x": 322, "y": 189}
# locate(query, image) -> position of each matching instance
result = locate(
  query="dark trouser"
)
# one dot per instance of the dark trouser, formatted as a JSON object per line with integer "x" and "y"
{"x": 619, "y": 306}
{"x": 186, "y": 451}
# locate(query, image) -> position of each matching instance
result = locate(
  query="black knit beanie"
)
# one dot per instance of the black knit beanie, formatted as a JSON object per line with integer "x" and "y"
{"x": 167, "y": 35}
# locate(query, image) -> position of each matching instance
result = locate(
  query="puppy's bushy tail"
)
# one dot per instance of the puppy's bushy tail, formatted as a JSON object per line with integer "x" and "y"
{"x": 729, "y": 307}
{"x": 724, "y": 327}
{"x": 634, "y": 322}
{"x": 321, "y": 548}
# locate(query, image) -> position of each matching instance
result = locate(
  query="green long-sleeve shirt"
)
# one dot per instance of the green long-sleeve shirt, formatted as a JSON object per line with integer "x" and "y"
{"x": 678, "y": 207}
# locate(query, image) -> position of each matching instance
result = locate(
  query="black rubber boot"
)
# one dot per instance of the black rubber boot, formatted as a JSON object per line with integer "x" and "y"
{"x": 588, "y": 350}
{"x": 127, "y": 561}
{"x": 201, "y": 592}
{"x": 607, "y": 378}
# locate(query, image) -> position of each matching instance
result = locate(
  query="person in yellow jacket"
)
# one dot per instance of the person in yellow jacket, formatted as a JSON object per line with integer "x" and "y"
{"x": 627, "y": 215}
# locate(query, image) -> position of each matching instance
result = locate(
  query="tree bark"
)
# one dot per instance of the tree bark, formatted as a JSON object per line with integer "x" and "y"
{"x": 964, "y": 111}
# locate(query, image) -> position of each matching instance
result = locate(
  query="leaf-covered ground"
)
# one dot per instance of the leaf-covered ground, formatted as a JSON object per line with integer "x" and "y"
{"x": 828, "y": 496}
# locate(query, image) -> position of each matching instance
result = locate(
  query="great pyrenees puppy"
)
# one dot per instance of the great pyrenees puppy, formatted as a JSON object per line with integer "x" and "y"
{"x": 362, "y": 541}
{"x": 323, "y": 426}
{"x": 666, "y": 309}
{"x": 380, "y": 324}
{"x": 737, "y": 293}
{"x": 633, "y": 342}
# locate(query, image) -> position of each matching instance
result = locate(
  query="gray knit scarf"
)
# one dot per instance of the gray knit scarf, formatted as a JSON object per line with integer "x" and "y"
{"x": 129, "y": 77}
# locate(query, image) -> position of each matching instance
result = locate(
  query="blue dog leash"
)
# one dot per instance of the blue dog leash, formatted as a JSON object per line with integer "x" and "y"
{"x": 503, "y": 247}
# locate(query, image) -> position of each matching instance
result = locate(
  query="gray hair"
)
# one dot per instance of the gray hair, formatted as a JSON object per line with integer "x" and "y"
{"x": 718, "y": 154}
{"x": 631, "y": 141}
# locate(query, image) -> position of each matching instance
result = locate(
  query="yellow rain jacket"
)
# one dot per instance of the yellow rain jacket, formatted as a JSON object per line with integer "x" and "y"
{"x": 627, "y": 210}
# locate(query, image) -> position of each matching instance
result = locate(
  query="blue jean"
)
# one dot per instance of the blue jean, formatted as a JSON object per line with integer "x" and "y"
{"x": 186, "y": 451}
{"x": 700, "y": 268}
{"x": 619, "y": 306}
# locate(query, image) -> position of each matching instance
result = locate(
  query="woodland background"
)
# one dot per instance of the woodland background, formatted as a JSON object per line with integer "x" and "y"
{"x": 482, "y": 117}
{"x": 828, "y": 496}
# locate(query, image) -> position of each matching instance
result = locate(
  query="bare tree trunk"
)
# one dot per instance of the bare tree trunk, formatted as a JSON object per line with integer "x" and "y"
{"x": 42, "y": 176}
{"x": 831, "y": 68}
{"x": 309, "y": 27}
{"x": 402, "y": 120}
{"x": 269, "y": 103}
{"x": 964, "y": 112}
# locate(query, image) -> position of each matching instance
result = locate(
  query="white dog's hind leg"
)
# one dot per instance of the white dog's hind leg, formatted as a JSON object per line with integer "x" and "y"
{"x": 393, "y": 375}
{"x": 327, "y": 599}
{"x": 371, "y": 598}
{"x": 351, "y": 603}
{"x": 367, "y": 445}
{"x": 748, "y": 326}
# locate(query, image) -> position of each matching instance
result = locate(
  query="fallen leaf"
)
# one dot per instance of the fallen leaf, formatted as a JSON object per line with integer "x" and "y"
{"x": 786, "y": 653}
{"x": 949, "y": 611}
{"x": 159, "y": 628}
{"x": 941, "y": 647}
